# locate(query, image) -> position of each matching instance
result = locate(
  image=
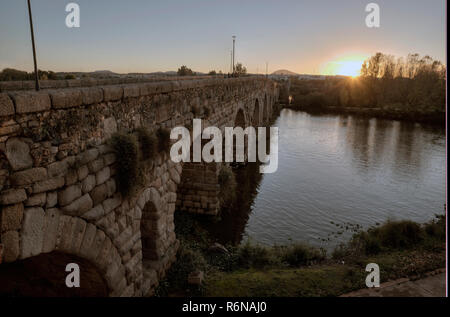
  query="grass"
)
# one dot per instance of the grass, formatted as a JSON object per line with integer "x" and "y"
{"x": 404, "y": 249}
{"x": 286, "y": 282}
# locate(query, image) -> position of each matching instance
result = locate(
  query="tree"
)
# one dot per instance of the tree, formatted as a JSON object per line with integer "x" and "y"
{"x": 185, "y": 71}
{"x": 212, "y": 73}
{"x": 239, "y": 69}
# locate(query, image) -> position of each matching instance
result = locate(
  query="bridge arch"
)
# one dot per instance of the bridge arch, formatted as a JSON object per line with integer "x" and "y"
{"x": 44, "y": 275}
{"x": 239, "y": 118}
{"x": 151, "y": 233}
{"x": 53, "y": 238}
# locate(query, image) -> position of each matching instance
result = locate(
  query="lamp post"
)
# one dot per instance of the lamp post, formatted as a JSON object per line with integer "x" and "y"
{"x": 36, "y": 75}
{"x": 234, "y": 40}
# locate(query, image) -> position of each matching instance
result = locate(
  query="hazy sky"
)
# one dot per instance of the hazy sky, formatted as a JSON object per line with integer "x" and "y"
{"x": 147, "y": 36}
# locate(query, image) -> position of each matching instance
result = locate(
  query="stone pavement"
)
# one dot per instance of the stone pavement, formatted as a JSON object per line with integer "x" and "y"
{"x": 433, "y": 285}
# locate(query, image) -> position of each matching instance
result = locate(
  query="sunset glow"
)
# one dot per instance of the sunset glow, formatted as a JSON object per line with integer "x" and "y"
{"x": 345, "y": 66}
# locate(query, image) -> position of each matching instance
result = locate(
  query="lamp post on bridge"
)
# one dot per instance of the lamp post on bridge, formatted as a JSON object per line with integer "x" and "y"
{"x": 36, "y": 75}
{"x": 234, "y": 40}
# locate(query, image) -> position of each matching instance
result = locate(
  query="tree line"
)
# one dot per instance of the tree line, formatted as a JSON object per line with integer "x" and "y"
{"x": 11, "y": 74}
{"x": 406, "y": 84}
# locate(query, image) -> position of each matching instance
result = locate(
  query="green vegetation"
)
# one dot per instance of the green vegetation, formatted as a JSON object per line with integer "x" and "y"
{"x": 133, "y": 151}
{"x": 163, "y": 136}
{"x": 240, "y": 69}
{"x": 126, "y": 150}
{"x": 185, "y": 71}
{"x": 148, "y": 143}
{"x": 411, "y": 88}
{"x": 11, "y": 74}
{"x": 403, "y": 248}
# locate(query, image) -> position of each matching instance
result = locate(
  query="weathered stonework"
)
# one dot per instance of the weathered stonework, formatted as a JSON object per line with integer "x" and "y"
{"x": 57, "y": 170}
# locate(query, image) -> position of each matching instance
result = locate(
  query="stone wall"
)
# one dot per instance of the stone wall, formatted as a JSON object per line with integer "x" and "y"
{"x": 58, "y": 190}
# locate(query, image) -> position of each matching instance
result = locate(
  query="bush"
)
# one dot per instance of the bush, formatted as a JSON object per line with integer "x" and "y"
{"x": 399, "y": 234}
{"x": 188, "y": 260}
{"x": 163, "y": 136}
{"x": 436, "y": 228}
{"x": 227, "y": 182}
{"x": 299, "y": 254}
{"x": 255, "y": 256}
{"x": 126, "y": 151}
{"x": 148, "y": 143}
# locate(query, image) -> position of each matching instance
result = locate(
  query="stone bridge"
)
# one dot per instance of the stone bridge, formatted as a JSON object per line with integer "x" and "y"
{"x": 59, "y": 195}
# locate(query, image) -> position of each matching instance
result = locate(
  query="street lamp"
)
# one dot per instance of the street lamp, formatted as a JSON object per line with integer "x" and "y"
{"x": 36, "y": 75}
{"x": 234, "y": 40}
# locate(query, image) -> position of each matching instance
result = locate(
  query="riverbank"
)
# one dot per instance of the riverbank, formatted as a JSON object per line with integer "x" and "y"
{"x": 401, "y": 249}
{"x": 428, "y": 117}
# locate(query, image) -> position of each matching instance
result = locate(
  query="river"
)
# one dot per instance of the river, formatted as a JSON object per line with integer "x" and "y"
{"x": 335, "y": 173}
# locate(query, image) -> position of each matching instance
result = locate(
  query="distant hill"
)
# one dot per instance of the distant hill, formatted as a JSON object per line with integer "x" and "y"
{"x": 284, "y": 72}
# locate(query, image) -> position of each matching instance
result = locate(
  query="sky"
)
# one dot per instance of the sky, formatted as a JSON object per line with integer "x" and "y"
{"x": 303, "y": 36}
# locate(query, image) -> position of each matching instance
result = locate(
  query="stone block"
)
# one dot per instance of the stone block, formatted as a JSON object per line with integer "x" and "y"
{"x": 79, "y": 206}
{"x": 49, "y": 184}
{"x": 13, "y": 196}
{"x": 69, "y": 194}
{"x": 95, "y": 213}
{"x": 36, "y": 200}
{"x": 66, "y": 98}
{"x": 88, "y": 184}
{"x": 18, "y": 154}
{"x": 83, "y": 172}
{"x": 11, "y": 246}
{"x": 88, "y": 238}
{"x": 28, "y": 102}
{"x": 6, "y": 105}
{"x": 109, "y": 126}
{"x": 102, "y": 176}
{"x": 65, "y": 233}
{"x": 78, "y": 235}
{"x": 52, "y": 199}
{"x": 91, "y": 95}
{"x": 11, "y": 217}
{"x": 87, "y": 156}
{"x": 112, "y": 93}
{"x": 57, "y": 168}
{"x": 95, "y": 165}
{"x": 28, "y": 176}
{"x": 112, "y": 203}
{"x": 32, "y": 234}
{"x": 51, "y": 223}
{"x": 131, "y": 91}
{"x": 99, "y": 194}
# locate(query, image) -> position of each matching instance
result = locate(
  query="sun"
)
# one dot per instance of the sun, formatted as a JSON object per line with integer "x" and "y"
{"x": 344, "y": 66}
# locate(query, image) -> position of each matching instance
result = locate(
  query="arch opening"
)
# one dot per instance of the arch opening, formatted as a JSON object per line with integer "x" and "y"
{"x": 150, "y": 235}
{"x": 44, "y": 275}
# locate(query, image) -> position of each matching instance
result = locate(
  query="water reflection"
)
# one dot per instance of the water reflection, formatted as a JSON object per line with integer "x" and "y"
{"x": 338, "y": 169}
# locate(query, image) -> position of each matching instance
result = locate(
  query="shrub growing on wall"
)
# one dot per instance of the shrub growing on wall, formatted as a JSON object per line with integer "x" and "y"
{"x": 148, "y": 143}
{"x": 126, "y": 150}
{"x": 163, "y": 136}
